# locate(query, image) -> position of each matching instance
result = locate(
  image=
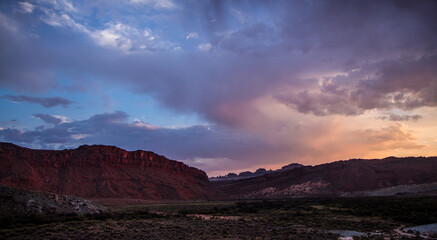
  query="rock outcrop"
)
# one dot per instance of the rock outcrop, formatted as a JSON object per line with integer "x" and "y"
{"x": 17, "y": 202}
{"x": 257, "y": 173}
{"x": 101, "y": 172}
{"x": 342, "y": 178}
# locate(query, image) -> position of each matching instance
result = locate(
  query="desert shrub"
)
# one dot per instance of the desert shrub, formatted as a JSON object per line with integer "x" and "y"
{"x": 410, "y": 210}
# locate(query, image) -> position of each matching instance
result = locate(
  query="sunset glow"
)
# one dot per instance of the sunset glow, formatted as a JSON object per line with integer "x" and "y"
{"x": 225, "y": 86}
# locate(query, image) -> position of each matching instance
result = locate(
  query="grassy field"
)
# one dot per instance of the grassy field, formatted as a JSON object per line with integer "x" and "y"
{"x": 375, "y": 218}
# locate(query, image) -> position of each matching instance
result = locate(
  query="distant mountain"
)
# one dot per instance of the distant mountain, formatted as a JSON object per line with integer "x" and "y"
{"x": 290, "y": 166}
{"x": 356, "y": 177}
{"x": 101, "y": 172}
{"x": 249, "y": 174}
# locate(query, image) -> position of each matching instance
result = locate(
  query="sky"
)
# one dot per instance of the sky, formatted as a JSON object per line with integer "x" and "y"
{"x": 225, "y": 86}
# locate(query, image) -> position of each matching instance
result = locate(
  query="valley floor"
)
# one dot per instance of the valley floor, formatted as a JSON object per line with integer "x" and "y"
{"x": 341, "y": 218}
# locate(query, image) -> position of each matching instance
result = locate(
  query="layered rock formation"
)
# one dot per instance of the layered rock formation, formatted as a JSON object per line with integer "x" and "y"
{"x": 101, "y": 172}
{"x": 341, "y": 178}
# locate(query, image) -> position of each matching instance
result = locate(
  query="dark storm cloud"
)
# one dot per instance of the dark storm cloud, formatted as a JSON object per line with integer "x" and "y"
{"x": 114, "y": 129}
{"x": 403, "y": 84}
{"x": 24, "y": 63}
{"x": 48, "y": 118}
{"x": 391, "y": 46}
{"x": 47, "y": 102}
{"x": 260, "y": 58}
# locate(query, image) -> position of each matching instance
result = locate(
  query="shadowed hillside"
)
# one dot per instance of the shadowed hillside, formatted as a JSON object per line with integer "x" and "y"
{"x": 342, "y": 178}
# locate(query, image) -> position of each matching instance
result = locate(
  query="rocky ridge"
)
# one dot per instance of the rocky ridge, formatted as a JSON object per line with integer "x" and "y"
{"x": 100, "y": 171}
{"x": 356, "y": 177}
{"x": 257, "y": 173}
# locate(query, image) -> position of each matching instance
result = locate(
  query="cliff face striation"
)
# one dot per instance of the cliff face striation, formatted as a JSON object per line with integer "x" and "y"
{"x": 356, "y": 177}
{"x": 101, "y": 172}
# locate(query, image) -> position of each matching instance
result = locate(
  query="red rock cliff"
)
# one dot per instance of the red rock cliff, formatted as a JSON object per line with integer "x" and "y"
{"x": 101, "y": 172}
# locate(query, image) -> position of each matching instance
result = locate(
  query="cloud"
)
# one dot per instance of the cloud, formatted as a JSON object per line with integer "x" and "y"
{"x": 63, "y": 20}
{"x": 397, "y": 117}
{"x": 251, "y": 39}
{"x": 395, "y": 136}
{"x": 7, "y": 24}
{"x": 60, "y": 5}
{"x": 23, "y": 67}
{"x": 116, "y": 35}
{"x": 27, "y": 7}
{"x": 113, "y": 128}
{"x": 204, "y": 47}
{"x": 217, "y": 149}
{"x": 312, "y": 62}
{"x": 166, "y": 4}
{"x": 402, "y": 84}
{"x": 47, "y": 102}
{"x": 192, "y": 35}
{"x": 53, "y": 119}
{"x": 405, "y": 84}
{"x": 264, "y": 57}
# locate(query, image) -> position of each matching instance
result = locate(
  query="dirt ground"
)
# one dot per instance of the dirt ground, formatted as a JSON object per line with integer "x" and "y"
{"x": 370, "y": 218}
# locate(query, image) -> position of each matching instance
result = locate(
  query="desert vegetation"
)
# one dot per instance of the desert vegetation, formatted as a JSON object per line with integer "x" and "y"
{"x": 317, "y": 218}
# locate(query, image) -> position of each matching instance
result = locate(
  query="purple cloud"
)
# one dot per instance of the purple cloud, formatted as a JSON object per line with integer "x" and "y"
{"x": 212, "y": 148}
{"x": 48, "y": 118}
{"x": 47, "y": 102}
{"x": 396, "y": 117}
{"x": 259, "y": 58}
{"x": 403, "y": 84}
{"x": 114, "y": 129}
{"x": 318, "y": 58}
